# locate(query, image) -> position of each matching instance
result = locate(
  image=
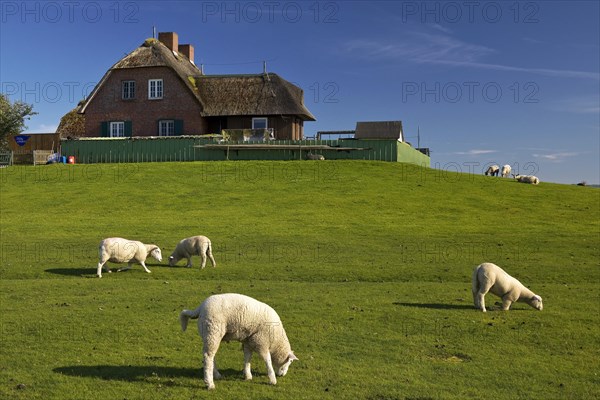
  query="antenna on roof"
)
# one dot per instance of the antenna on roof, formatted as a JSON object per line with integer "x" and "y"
{"x": 153, "y": 32}
{"x": 265, "y": 70}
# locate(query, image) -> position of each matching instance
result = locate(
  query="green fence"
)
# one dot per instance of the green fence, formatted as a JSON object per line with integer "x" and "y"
{"x": 194, "y": 148}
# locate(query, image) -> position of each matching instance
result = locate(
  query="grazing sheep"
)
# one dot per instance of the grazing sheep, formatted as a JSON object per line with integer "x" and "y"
{"x": 193, "y": 246}
{"x": 311, "y": 156}
{"x": 234, "y": 316}
{"x": 534, "y": 180}
{"x": 506, "y": 170}
{"x": 119, "y": 250}
{"x": 493, "y": 170}
{"x": 492, "y": 278}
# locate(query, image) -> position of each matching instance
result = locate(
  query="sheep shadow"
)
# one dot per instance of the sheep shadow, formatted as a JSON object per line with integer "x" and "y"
{"x": 139, "y": 373}
{"x": 496, "y": 307}
{"x": 90, "y": 272}
{"x": 72, "y": 271}
{"x": 436, "y": 306}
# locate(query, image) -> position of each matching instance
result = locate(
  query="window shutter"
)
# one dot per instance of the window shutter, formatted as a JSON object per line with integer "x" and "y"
{"x": 104, "y": 129}
{"x": 128, "y": 130}
{"x": 178, "y": 127}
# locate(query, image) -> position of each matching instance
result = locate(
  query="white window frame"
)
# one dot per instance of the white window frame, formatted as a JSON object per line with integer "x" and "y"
{"x": 166, "y": 127}
{"x": 155, "y": 89}
{"x": 117, "y": 129}
{"x": 257, "y": 119}
{"x": 128, "y": 90}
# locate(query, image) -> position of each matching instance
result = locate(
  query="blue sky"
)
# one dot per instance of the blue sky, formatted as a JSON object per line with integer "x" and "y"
{"x": 482, "y": 81}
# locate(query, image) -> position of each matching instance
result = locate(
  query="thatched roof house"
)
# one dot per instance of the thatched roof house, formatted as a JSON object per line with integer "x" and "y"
{"x": 157, "y": 90}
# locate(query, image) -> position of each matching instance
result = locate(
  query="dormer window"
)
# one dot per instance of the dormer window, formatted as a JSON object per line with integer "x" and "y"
{"x": 128, "y": 90}
{"x": 155, "y": 89}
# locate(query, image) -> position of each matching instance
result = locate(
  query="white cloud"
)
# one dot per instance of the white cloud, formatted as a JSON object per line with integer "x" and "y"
{"x": 443, "y": 49}
{"x": 43, "y": 128}
{"x": 421, "y": 48}
{"x": 475, "y": 152}
{"x": 578, "y": 105}
{"x": 557, "y": 157}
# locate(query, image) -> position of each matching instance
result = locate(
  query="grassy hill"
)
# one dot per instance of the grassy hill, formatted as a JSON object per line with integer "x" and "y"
{"x": 367, "y": 263}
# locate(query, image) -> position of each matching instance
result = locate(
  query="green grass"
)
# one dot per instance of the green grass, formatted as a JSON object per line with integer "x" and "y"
{"x": 367, "y": 263}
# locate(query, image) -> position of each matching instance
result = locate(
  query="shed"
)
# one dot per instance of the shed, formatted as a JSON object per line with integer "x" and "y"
{"x": 379, "y": 130}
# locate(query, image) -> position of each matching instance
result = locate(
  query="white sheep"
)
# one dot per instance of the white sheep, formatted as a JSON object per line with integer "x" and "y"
{"x": 506, "y": 170}
{"x": 193, "y": 246}
{"x": 492, "y": 278}
{"x": 234, "y": 316}
{"x": 534, "y": 180}
{"x": 493, "y": 170}
{"x": 311, "y": 156}
{"x": 119, "y": 250}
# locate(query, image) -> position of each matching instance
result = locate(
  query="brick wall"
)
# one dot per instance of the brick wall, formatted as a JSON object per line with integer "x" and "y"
{"x": 177, "y": 103}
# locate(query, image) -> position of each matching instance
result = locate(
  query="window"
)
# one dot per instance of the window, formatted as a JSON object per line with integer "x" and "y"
{"x": 155, "y": 89}
{"x": 128, "y": 90}
{"x": 259, "y": 123}
{"x": 166, "y": 127}
{"x": 117, "y": 129}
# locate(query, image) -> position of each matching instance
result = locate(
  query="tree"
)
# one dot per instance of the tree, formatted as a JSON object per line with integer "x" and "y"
{"x": 12, "y": 118}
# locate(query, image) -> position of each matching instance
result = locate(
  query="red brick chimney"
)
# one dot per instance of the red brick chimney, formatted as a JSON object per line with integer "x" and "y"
{"x": 187, "y": 50}
{"x": 169, "y": 39}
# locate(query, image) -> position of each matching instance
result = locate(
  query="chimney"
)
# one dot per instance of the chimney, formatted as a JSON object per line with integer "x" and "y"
{"x": 169, "y": 39}
{"x": 188, "y": 51}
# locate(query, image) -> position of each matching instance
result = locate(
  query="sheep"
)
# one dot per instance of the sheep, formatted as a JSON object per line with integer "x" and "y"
{"x": 490, "y": 277}
{"x": 506, "y": 170}
{"x": 311, "y": 156}
{"x": 492, "y": 170}
{"x": 534, "y": 180}
{"x": 193, "y": 246}
{"x": 119, "y": 250}
{"x": 233, "y": 316}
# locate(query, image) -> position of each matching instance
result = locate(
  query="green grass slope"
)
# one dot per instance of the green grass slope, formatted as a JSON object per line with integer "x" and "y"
{"x": 367, "y": 263}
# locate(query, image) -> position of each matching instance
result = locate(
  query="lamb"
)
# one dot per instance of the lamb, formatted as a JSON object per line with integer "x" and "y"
{"x": 311, "y": 156}
{"x": 193, "y": 246}
{"x": 119, "y": 250}
{"x": 534, "y": 180}
{"x": 493, "y": 170}
{"x": 490, "y": 277}
{"x": 233, "y": 316}
{"x": 506, "y": 170}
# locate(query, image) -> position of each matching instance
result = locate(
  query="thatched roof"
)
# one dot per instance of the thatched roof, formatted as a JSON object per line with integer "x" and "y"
{"x": 379, "y": 130}
{"x": 152, "y": 53}
{"x": 71, "y": 124}
{"x": 217, "y": 95}
{"x": 260, "y": 94}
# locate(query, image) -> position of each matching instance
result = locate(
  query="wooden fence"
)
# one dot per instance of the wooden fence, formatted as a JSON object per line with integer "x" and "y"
{"x": 6, "y": 158}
